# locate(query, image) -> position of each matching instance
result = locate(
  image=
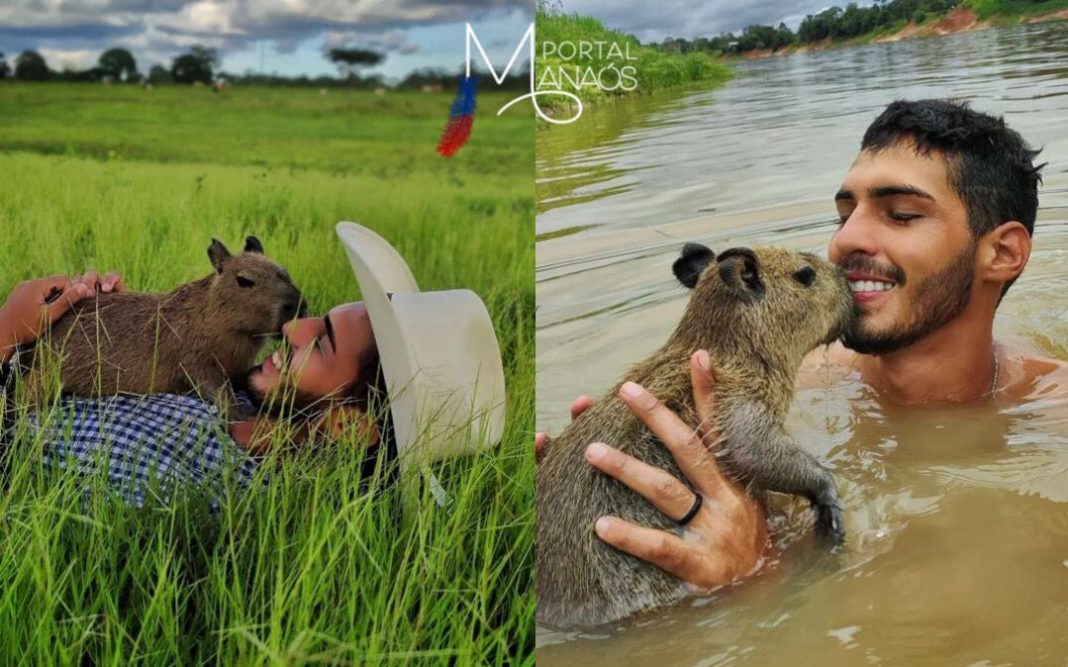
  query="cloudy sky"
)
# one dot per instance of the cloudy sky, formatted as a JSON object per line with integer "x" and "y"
{"x": 653, "y": 21}
{"x": 284, "y": 36}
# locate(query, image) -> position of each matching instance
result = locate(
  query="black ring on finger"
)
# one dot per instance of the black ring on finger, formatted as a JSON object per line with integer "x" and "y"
{"x": 698, "y": 499}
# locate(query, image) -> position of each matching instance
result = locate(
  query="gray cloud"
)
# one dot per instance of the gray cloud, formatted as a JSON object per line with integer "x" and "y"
{"x": 695, "y": 18}
{"x": 142, "y": 6}
{"x": 82, "y": 32}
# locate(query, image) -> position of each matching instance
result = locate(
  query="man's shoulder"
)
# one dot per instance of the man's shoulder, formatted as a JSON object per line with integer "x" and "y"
{"x": 1032, "y": 375}
{"x": 1027, "y": 375}
{"x": 826, "y": 363}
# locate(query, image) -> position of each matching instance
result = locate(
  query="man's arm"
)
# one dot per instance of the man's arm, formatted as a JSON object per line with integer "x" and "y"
{"x": 35, "y": 304}
{"x": 31, "y": 307}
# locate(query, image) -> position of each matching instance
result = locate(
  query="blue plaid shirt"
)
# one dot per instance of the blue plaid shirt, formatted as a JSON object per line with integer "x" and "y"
{"x": 149, "y": 444}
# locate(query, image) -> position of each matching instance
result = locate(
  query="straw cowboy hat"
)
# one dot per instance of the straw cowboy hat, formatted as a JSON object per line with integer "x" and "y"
{"x": 438, "y": 353}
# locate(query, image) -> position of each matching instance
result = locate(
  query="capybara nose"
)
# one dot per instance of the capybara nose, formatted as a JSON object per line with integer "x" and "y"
{"x": 293, "y": 307}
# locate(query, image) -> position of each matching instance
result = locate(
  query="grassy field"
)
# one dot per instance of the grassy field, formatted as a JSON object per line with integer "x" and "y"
{"x": 307, "y": 568}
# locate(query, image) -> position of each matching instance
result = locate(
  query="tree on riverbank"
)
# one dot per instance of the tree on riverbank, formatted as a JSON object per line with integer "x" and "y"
{"x": 854, "y": 22}
{"x": 834, "y": 23}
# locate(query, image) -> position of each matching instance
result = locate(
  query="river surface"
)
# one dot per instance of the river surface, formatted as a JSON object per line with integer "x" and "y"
{"x": 957, "y": 518}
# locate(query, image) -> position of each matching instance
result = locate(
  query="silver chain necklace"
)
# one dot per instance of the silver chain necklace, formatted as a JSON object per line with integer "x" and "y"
{"x": 997, "y": 369}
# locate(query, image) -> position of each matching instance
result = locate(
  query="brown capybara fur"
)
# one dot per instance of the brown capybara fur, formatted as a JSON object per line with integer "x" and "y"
{"x": 757, "y": 313}
{"x": 199, "y": 337}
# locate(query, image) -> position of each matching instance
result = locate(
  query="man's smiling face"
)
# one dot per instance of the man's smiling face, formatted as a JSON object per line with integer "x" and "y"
{"x": 906, "y": 247}
{"x": 320, "y": 357}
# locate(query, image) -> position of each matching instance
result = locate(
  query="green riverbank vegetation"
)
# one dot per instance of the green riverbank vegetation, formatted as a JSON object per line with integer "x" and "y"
{"x": 1006, "y": 10}
{"x": 856, "y": 24}
{"x": 580, "y": 55}
{"x": 308, "y": 566}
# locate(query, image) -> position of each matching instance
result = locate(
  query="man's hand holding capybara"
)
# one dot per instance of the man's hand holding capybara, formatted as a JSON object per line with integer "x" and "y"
{"x": 35, "y": 304}
{"x": 725, "y": 540}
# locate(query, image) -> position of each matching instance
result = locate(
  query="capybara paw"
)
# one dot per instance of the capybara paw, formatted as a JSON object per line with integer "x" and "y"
{"x": 830, "y": 528}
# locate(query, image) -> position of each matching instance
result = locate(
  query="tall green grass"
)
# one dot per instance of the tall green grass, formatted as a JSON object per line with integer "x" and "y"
{"x": 307, "y": 567}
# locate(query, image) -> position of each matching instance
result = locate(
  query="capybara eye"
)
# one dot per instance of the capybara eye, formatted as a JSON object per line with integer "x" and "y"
{"x": 805, "y": 276}
{"x": 244, "y": 282}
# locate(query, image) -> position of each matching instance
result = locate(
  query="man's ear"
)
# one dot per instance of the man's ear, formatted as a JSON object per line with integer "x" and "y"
{"x": 337, "y": 420}
{"x": 1005, "y": 251}
{"x": 218, "y": 254}
{"x": 693, "y": 260}
{"x": 740, "y": 272}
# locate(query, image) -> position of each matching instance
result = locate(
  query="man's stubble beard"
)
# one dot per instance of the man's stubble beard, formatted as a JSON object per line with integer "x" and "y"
{"x": 937, "y": 300}
{"x": 286, "y": 402}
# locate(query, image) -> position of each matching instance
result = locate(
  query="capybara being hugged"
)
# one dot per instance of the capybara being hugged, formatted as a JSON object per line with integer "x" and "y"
{"x": 199, "y": 337}
{"x": 757, "y": 313}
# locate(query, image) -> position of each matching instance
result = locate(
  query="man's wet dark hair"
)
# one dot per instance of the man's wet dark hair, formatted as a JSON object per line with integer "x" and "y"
{"x": 990, "y": 166}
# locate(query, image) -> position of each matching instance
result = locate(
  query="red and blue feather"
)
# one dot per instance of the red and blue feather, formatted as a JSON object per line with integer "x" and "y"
{"x": 461, "y": 118}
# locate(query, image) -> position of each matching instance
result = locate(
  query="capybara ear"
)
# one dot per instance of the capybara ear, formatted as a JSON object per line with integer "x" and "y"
{"x": 740, "y": 272}
{"x": 252, "y": 244}
{"x": 693, "y": 260}
{"x": 218, "y": 254}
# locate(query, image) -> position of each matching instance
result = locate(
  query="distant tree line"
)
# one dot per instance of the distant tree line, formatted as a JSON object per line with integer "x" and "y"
{"x": 115, "y": 65}
{"x": 427, "y": 78}
{"x": 834, "y": 24}
{"x": 200, "y": 64}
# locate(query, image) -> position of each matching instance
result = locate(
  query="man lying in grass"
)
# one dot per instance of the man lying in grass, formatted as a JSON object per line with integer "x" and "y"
{"x": 319, "y": 382}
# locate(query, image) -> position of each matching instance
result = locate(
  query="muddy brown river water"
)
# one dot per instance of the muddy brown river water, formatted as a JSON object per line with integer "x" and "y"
{"x": 957, "y": 518}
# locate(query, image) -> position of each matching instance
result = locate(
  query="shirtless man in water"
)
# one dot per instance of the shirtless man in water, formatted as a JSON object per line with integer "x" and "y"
{"x": 936, "y": 216}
